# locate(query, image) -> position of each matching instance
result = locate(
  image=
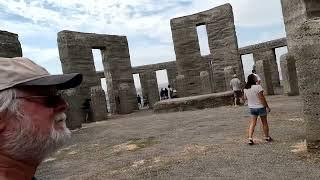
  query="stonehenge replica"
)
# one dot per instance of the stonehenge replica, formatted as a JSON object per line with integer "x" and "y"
{"x": 200, "y": 81}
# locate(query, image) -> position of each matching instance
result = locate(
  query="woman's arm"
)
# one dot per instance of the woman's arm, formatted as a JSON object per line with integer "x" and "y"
{"x": 244, "y": 97}
{"x": 263, "y": 101}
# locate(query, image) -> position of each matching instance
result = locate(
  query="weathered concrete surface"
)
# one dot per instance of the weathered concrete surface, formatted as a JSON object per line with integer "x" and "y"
{"x": 306, "y": 46}
{"x": 203, "y": 144}
{"x": 294, "y": 13}
{"x": 98, "y": 103}
{"x": 149, "y": 67}
{"x": 263, "y": 70}
{"x": 205, "y": 82}
{"x": 9, "y": 45}
{"x": 172, "y": 73}
{"x": 223, "y": 46}
{"x": 74, "y": 112}
{"x": 265, "y": 46}
{"x": 149, "y": 86}
{"x": 194, "y": 102}
{"x": 75, "y": 49}
{"x": 289, "y": 75}
{"x": 270, "y": 57}
{"x": 302, "y": 19}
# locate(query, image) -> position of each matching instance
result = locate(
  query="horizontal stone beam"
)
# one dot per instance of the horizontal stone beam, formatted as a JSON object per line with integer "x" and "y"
{"x": 194, "y": 102}
{"x": 152, "y": 67}
{"x": 277, "y": 43}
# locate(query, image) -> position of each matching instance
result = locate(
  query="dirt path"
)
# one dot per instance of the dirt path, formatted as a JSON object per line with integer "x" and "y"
{"x": 208, "y": 143}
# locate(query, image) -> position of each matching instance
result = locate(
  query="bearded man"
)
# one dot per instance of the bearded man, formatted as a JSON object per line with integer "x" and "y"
{"x": 32, "y": 116}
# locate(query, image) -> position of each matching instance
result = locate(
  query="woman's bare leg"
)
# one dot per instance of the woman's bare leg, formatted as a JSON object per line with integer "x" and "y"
{"x": 265, "y": 125}
{"x": 252, "y": 125}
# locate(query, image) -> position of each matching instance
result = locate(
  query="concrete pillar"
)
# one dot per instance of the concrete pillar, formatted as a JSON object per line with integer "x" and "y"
{"x": 229, "y": 71}
{"x": 122, "y": 103}
{"x": 306, "y": 46}
{"x": 263, "y": 70}
{"x": 118, "y": 71}
{"x": 153, "y": 94}
{"x": 270, "y": 56}
{"x": 180, "y": 85}
{"x": 294, "y": 13}
{"x": 98, "y": 104}
{"x": 9, "y": 45}
{"x": 289, "y": 75}
{"x": 74, "y": 113}
{"x": 302, "y": 19}
{"x": 172, "y": 74}
{"x": 205, "y": 82}
{"x": 149, "y": 85}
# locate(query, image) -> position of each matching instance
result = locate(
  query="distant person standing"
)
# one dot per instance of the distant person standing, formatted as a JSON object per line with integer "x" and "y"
{"x": 166, "y": 93}
{"x": 257, "y": 76}
{"x": 161, "y": 94}
{"x": 139, "y": 101}
{"x": 258, "y": 107}
{"x": 170, "y": 91}
{"x": 235, "y": 85}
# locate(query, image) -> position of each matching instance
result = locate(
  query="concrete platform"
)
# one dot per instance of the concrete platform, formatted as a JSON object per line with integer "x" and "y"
{"x": 194, "y": 102}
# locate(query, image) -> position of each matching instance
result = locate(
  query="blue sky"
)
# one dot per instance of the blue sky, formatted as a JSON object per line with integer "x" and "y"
{"x": 146, "y": 23}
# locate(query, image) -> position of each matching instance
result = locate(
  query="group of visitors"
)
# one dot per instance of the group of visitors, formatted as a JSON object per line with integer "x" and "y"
{"x": 258, "y": 106}
{"x": 166, "y": 93}
{"x": 142, "y": 102}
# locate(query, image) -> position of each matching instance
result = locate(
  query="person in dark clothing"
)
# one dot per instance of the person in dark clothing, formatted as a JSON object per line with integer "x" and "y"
{"x": 139, "y": 100}
{"x": 161, "y": 94}
{"x": 170, "y": 91}
{"x": 166, "y": 93}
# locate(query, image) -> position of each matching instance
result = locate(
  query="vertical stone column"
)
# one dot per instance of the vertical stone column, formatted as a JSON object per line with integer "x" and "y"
{"x": 180, "y": 85}
{"x": 229, "y": 71}
{"x": 302, "y": 18}
{"x": 270, "y": 56}
{"x": 118, "y": 71}
{"x": 149, "y": 85}
{"x": 153, "y": 94}
{"x": 9, "y": 45}
{"x": 289, "y": 75}
{"x": 263, "y": 70}
{"x": 306, "y": 45}
{"x": 294, "y": 13}
{"x": 172, "y": 74}
{"x": 98, "y": 104}
{"x": 124, "y": 92}
{"x": 205, "y": 82}
{"x": 74, "y": 113}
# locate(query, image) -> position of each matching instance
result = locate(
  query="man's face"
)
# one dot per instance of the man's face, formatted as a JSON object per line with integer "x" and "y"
{"x": 36, "y": 104}
{"x": 40, "y": 128}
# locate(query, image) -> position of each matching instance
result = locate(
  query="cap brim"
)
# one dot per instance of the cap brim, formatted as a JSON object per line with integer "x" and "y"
{"x": 61, "y": 82}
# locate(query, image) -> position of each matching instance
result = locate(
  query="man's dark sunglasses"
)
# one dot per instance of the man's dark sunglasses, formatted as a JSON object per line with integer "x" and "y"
{"x": 50, "y": 101}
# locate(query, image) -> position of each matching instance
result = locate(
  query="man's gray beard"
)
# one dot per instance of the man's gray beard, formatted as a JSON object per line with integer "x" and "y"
{"x": 26, "y": 143}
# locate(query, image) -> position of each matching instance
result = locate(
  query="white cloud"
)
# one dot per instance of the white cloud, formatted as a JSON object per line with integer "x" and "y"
{"x": 146, "y": 23}
{"x": 48, "y": 54}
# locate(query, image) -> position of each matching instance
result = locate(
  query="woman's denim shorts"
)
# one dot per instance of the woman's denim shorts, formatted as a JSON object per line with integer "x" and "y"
{"x": 258, "y": 111}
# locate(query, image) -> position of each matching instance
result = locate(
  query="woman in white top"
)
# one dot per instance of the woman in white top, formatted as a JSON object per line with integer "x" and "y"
{"x": 258, "y": 107}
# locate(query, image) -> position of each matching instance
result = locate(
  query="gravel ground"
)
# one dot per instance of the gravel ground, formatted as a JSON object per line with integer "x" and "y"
{"x": 203, "y": 144}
